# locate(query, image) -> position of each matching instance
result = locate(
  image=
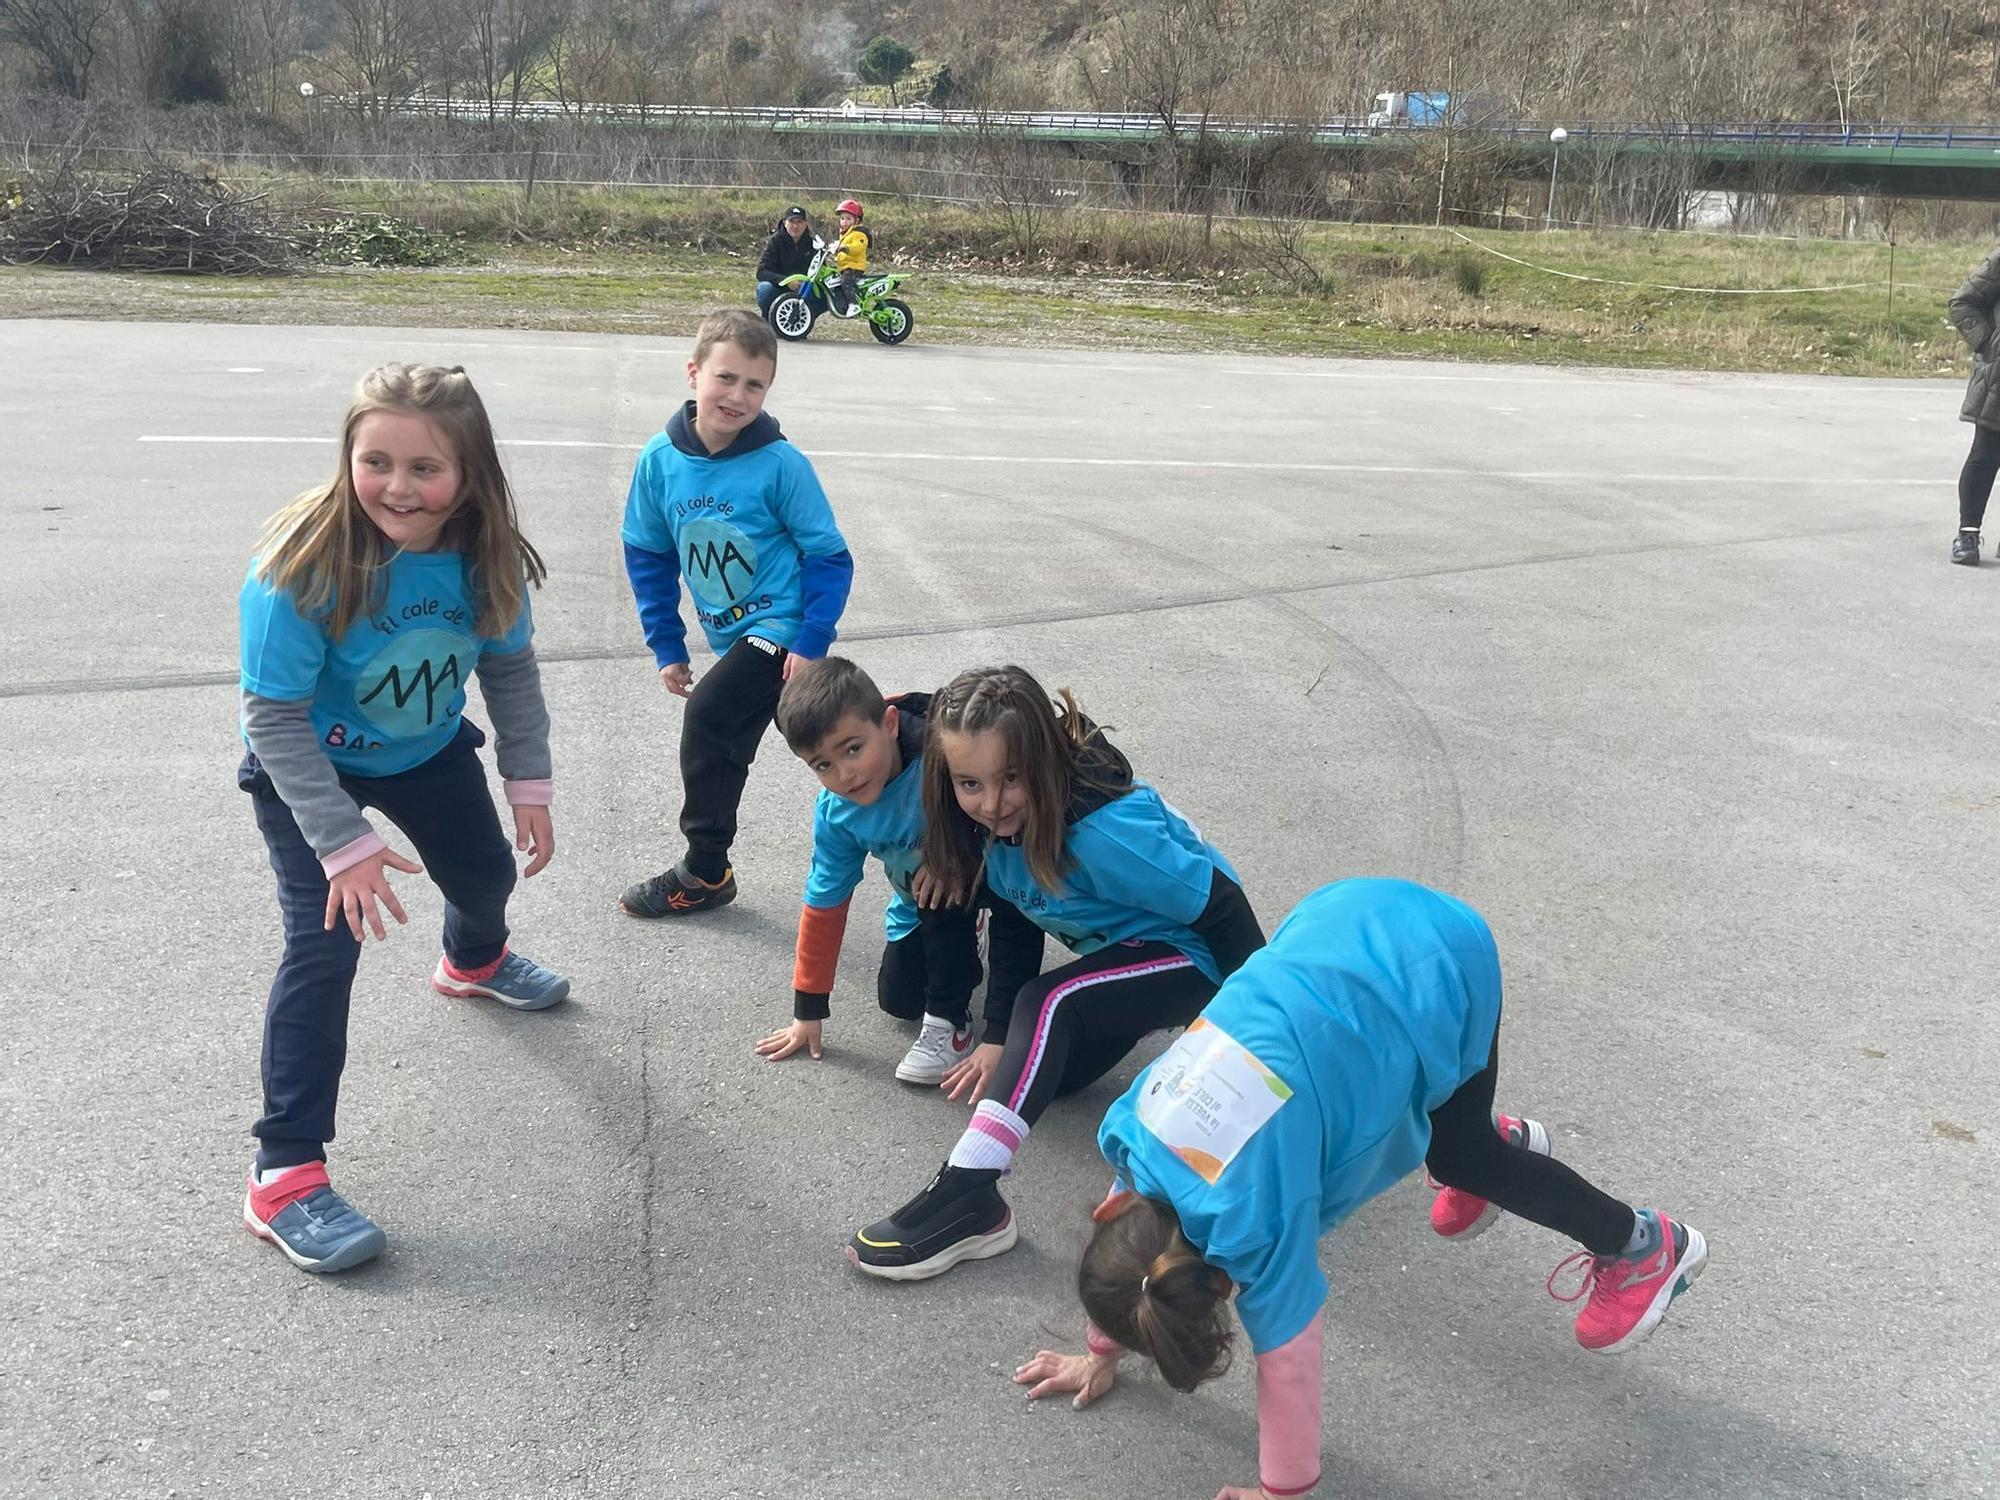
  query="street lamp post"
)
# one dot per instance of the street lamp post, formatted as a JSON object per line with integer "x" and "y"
{"x": 306, "y": 92}
{"x": 1556, "y": 139}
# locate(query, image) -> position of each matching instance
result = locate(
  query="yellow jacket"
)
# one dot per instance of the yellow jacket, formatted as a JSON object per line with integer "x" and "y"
{"x": 850, "y": 251}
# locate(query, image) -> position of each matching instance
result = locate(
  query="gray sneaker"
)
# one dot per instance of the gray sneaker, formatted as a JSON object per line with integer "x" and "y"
{"x": 938, "y": 1049}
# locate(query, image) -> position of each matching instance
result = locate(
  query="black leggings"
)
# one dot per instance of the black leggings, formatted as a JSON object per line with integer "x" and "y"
{"x": 1071, "y": 1025}
{"x": 1975, "y": 480}
{"x": 1469, "y": 1154}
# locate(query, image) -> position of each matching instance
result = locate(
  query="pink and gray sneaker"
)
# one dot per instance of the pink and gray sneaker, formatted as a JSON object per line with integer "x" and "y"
{"x": 1629, "y": 1294}
{"x": 1458, "y": 1215}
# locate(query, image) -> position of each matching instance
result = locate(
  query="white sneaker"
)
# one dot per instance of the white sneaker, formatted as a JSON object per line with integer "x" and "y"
{"x": 936, "y": 1051}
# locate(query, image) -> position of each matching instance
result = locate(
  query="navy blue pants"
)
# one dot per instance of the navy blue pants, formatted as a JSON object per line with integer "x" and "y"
{"x": 445, "y": 809}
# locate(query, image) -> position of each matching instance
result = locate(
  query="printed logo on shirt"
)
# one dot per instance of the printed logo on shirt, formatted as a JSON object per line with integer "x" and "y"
{"x": 719, "y": 561}
{"x": 414, "y": 682}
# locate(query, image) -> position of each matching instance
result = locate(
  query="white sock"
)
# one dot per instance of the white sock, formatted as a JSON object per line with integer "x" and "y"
{"x": 992, "y": 1138}
{"x": 268, "y": 1175}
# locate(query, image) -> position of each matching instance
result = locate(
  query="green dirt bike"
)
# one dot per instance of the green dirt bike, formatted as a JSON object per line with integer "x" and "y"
{"x": 820, "y": 289}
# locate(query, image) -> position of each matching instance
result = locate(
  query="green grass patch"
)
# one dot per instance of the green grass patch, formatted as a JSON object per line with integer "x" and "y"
{"x": 640, "y": 258}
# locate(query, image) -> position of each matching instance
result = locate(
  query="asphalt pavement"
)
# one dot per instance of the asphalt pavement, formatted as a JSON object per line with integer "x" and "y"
{"x": 1665, "y": 673}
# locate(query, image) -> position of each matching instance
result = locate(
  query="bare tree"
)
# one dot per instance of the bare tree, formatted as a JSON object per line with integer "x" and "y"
{"x": 377, "y": 47}
{"x": 64, "y": 38}
{"x": 1851, "y": 60}
{"x": 265, "y": 37}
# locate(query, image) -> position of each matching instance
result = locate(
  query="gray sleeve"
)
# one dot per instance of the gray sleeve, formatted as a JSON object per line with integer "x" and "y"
{"x": 512, "y": 685}
{"x": 1971, "y": 306}
{"x": 281, "y": 735}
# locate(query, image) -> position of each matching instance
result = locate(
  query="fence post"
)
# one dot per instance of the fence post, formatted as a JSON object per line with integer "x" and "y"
{"x": 534, "y": 156}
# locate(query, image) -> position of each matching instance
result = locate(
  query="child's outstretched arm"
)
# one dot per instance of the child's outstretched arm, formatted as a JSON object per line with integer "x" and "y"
{"x": 821, "y": 929}
{"x": 512, "y": 685}
{"x": 838, "y": 862}
{"x": 351, "y": 853}
{"x": 1289, "y": 1399}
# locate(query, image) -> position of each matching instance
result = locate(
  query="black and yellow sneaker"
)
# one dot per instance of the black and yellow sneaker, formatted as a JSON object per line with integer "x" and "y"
{"x": 677, "y": 893}
{"x": 960, "y": 1216}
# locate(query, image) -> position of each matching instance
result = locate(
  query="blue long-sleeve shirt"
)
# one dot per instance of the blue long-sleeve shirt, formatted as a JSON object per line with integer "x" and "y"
{"x": 749, "y": 530}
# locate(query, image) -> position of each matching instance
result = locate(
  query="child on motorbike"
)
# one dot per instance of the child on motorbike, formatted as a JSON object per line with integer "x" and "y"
{"x": 850, "y": 258}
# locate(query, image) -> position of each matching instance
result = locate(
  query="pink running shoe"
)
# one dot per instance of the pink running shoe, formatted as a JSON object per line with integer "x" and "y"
{"x": 1458, "y": 1215}
{"x": 1629, "y": 1294}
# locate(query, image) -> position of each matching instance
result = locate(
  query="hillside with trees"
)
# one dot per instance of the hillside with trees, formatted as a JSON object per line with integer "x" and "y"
{"x": 1639, "y": 60}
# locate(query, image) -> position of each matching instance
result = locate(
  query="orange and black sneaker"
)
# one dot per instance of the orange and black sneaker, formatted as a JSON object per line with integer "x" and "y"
{"x": 677, "y": 893}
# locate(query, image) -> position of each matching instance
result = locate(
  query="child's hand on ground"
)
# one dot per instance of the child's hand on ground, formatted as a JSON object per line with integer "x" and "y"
{"x": 968, "y": 1079}
{"x": 678, "y": 677}
{"x": 353, "y": 893}
{"x": 535, "y": 835}
{"x": 800, "y": 1034}
{"x": 1087, "y": 1375}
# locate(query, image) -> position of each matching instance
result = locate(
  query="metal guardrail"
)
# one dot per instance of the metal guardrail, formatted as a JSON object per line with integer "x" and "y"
{"x": 923, "y": 118}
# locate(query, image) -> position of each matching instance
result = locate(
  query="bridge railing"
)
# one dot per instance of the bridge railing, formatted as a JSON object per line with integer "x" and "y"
{"x": 1968, "y": 137}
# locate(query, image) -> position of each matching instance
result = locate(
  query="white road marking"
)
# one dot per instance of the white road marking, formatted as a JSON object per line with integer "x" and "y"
{"x": 1562, "y": 476}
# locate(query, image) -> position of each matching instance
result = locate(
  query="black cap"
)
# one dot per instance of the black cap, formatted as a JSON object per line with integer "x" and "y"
{"x": 795, "y": 212}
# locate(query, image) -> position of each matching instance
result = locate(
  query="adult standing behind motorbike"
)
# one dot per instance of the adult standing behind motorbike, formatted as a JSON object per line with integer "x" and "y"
{"x": 787, "y": 252}
{"x": 1972, "y": 313}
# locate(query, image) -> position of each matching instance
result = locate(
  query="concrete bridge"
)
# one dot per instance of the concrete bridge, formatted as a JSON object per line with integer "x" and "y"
{"x": 1910, "y": 160}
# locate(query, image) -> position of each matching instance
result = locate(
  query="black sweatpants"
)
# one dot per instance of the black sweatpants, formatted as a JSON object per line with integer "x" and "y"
{"x": 731, "y": 706}
{"x": 1072, "y": 1025}
{"x": 934, "y": 970}
{"x": 1469, "y": 1154}
{"x": 1975, "y": 480}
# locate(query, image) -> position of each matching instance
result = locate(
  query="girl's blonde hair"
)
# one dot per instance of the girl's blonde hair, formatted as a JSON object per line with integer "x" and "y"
{"x": 326, "y": 554}
{"x": 1051, "y": 751}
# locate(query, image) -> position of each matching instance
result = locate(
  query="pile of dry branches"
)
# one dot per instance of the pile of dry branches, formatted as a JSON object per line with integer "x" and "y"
{"x": 158, "y": 219}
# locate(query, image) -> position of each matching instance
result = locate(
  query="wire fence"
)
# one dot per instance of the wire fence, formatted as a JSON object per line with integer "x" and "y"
{"x": 1003, "y": 182}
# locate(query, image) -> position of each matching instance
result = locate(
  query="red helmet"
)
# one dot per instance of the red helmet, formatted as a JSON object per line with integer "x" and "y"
{"x": 848, "y": 206}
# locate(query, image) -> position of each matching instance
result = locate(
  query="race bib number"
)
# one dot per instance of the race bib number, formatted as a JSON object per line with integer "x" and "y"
{"x": 1206, "y": 1095}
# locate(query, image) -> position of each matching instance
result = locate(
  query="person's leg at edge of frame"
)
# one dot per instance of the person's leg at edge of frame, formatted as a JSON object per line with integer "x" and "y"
{"x": 288, "y": 1199}
{"x": 1975, "y": 487}
{"x": 446, "y": 810}
{"x": 732, "y": 704}
{"x": 1636, "y": 1261}
{"x": 960, "y": 1215}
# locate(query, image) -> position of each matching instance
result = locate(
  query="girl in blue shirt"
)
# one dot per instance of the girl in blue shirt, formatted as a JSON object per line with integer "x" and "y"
{"x": 373, "y": 599}
{"x": 1361, "y": 1044}
{"x": 1069, "y": 845}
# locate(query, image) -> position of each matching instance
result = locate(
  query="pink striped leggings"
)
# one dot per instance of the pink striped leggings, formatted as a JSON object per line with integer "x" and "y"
{"x": 1072, "y": 1025}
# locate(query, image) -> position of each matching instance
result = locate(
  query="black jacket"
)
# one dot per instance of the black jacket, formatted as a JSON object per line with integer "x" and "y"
{"x": 784, "y": 256}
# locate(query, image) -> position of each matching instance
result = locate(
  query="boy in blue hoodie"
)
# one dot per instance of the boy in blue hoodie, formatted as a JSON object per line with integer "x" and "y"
{"x": 723, "y": 499}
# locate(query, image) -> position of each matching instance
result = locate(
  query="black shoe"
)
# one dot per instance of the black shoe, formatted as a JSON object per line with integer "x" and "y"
{"x": 676, "y": 893}
{"x": 1965, "y": 548}
{"x": 960, "y": 1216}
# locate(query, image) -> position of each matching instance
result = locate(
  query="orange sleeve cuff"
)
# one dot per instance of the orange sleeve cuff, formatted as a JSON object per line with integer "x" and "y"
{"x": 820, "y": 931}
